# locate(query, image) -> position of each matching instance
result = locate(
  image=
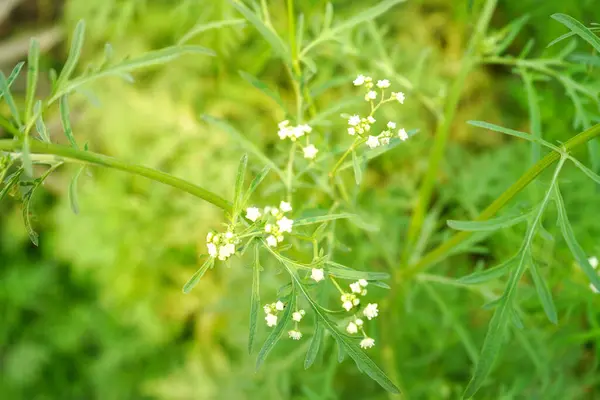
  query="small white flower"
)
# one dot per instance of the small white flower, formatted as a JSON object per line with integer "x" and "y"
{"x": 351, "y": 131}
{"x": 382, "y": 84}
{"x": 271, "y": 241}
{"x": 398, "y": 96}
{"x": 212, "y": 249}
{"x": 385, "y": 141}
{"x": 593, "y": 262}
{"x": 352, "y": 328}
{"x": 371, "y": 95}
{"x": 391, "y": 125}
{"x": 355, "y": 301}
{"x": 209, "y": 236}
{"x": 363, "y": 282}
{"x": 317, "y": 274}
{"x": 367, "y": 343}
{"x": 283, "y": 133}
{"x": 370, "y": 119}
{"x": 271, "y": 320}
{"x": 223, "y": 253}
{"x": 285, "y": 224}
{"x": 372, "y": 142}
{"x": 310, "y": 151}
{"x": 228, "y": 235}
{"x": 305, "y": 128}
{"x": 355, "y": 287}
{"x": 296, "y": 335}
{"x": 283, "y": 124}
{"x": 358, "y": 322}
{"x": 402, "y": 134}
{"x": 360, "y": 80}
{"x": 347, "y": 305}
{"x": 280, "y": 238}
{"x": 268, "y": 228}
{"x": 371, "y": 311}
{"x": 279, "y": 306}
{"x": 296, "y": 132}
{"x": 267, "y": 308}
{"x": 253, "y": 213}
{"x": 354, "y": 120}
{"x": 297, "y": 316}
{"x": 285, "y": 206}
{"x": 274, "y": 211}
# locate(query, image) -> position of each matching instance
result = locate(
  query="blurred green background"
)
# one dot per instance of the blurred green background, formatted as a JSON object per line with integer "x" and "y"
{"x": 96, "y": 311}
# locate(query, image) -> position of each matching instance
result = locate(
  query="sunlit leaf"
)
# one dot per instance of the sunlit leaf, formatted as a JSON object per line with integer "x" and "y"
{"x": 74, "y": 54}
{"x": 239, "y": 184}
{"x": 4, "y": 87}
{"x": 357, "y": 168}
{"x": 13, "y": 75}
{"x": 193, "y": 281}
{"x": 40, "y": 126}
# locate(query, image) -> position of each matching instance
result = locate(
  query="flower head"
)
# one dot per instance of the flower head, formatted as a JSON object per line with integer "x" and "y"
{"x": 360, "y": 80}
{"x": 352, "y": 328}
{"x": 382, "y": 84}
{"x": 271, "y": 320}
{"x": 371, "y": 95}
{"x": 399, "y": 96}
{"x": 363, "y": 282}
{"x": 391, "y": 125}
{"x": 285, "y": 224}
{"x": 271, "y": 241}
{"x": 371, "y": 311}
{"x": 285, "y": 206}
{"x": 367, "y": 343}
{"x": 355, "y": 287}
{"x": 354, "y": 120}
{"x": 593, "y": 262}
{"x": 297, "y": 316}
{"x": 349, "y": 300}
{"x": 279, "y": 306}
{"x": 253, "y": 213}
{"x": 310, "y": 151}
{"x": 373, "y": 141}
{"x": 402, "y": 134}
{"x": 351, "y": 131}
{"x": 317, "y": 274}
{"x": 296, "y": 335}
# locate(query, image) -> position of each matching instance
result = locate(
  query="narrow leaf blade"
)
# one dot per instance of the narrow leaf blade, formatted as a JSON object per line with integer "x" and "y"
{"x": 487, "y": 225}
{"x": 579, "y": 29}
{"x": 254, "y": 300}
{"x": 315, "y": 344}
{"x": 198, "y": 275}
{"x": 323, "y": 218}
{"x": 66, "y": 121}
{"x": 543, "y": 292}
{"x": 33, "y": 61}
{"x": 239, "y": 184}
{"x": 73, "y": 198}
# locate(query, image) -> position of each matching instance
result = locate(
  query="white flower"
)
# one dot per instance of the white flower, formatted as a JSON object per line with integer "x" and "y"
{"x": 372, "y": 142}
{"x": 253, "y": 213}
{"x": 355, "y": 287}
{"x": 285, "y": 206}
{"x": 385, "y": 141}
{"x": 317, "y": 274}
{"x": 310, "y": 151}
{"x": 280, "y": 238}
{"x": 367, "y": 343}
{"x": 371, "y": 95}
{"x": 212, "y": 249}
{"x": 391, "y": 125}
{"x": 347, "y": 305}
{"x": 352, "y": 328}
{"x": 382, "y": 84}
{"x": 370, "y": 119}
{"x": 359, "y": 80}
{"x": 274, "y": 211}
{"x": 209, "y": 236}
{"x": 371, "y": 311}
{"x": 296, "y": 132}
{"x": 351, "y": 131}
{"x": 355, "y": 301}
{"x": 305, "y": 128}
{"x": 354, "y": 120}
{"x": 226, "y": 251}
{"x": 279, "y": 306}
{"x": 358, "y": 322}
{"x": 267, "y": 308}
{"x": 296, "y": 335}
{"x": 402, "y": 134}
{"x": 271, "y": 241}
{"x": 285, "y": 224}
{"x": 229, "y": 235}
{"x": 283, "y": 124}
{"x": 398, "y": 96}
{"x": 593, "y": 262}
{"x": 297, "y": 316}
{"x": 271, "y": 320}
{"x": 268, "y": 228}
{"x": 363, "y": 282}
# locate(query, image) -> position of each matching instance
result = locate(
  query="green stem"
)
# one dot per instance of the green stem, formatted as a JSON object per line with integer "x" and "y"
{"x": 442, "y": 250}
{"x": 87, "y": 157}
{"x": 443, "y": 130}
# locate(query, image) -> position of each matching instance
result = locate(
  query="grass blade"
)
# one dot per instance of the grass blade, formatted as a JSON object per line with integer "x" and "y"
{"x": 512, "y": 132}
{"x": 487, "y": 225}
{"x": 33, "y": 63}
{"x": 260, "y": 85}
{"x": 4, "y": 87}
{"x": 322, "y": 218}
{"x": 357, "y": 168}
{"x": 239, "y": 184}
{"x": 315, "y": 344}
{"x": 211, "y": 25}
{"x": 40, "y": 126}
{"x": 198, "y": 275}
{"x": 66, "y": 121}
{"x": 255, "y": 299}
{"x": 543, "y": 292}
{"x": 74, "y": 54}
{"x": 73, "y": 198}
{"x": 579, "y": 29}
{"x": 279, "y": 329}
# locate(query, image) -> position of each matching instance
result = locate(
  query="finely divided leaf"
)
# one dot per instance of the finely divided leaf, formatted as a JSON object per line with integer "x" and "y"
{"x": 315, "y": 344}
{"x": 254, "y": 184}
{"x": 357, "y": 168}
{"x": 489, "y": 224}
{"x": 487, "y": 274}
{"x": 344, "y": 272}
{"x": 73, "y": 198}
{"x": 40, "y": 126}
{"x": 578, "y": 28}
{"x": 66, "y": 121}
{"x": 74, "y": 54}
{"x": 255, "y": 299}
{"x": 543, "y": 292}
{"x": 512, "y": 132}
{"x": 33, "y": 60}
{"x": 239, "y": 185}
{"x": 4, "y": 87}
{"x": 211, "y": 25}
{"x": 13, "y": 75}
{"x": 198, "y": 275}
{"x": 591, "y": 174}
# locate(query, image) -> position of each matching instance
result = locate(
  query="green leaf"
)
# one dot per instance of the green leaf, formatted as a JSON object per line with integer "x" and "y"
{"x": 576, "y": 249}
{"x": 594, "y": 176}
{"x": 578, "y": 28}
{"x": 239, "y": 184}
{"x": 33, "y": 64}
{"x": 254, "y": 184}
{"x": 255, "y": 299}
{"x": 211, "y": 25}
{"x": 26, "y": 156}
{"x": 74, "y": 54}
{"x": 357, "y": 168}
{"x": 561, "y": 38}
{"x": 543, "y": 292}
{"x": 267, "y": 33}
{"x": 246, "y": 144}
{"x": 344, "y": 272}
{"x": 512, "y": 132}
{"x": 4, "y": 87}
{"x": 193, "y": 281}
{"x": 322, "y": 218}
{"x": 512, "y": 30}
{"x": 66, "y": 121}
{"x": 315, "y": 344}
{"x": 40, "y": 126}
{"x": 328, "y": 17}
{"x": 148, "y": 59}
{"x": 487, "y": 274}
{"x": 13, "y": 75}
{"x": 73, "y": 198}
{"x": 534, "y": 114}
{"x": 278, "y": 330}
{"x": 493, "y": 224}
{"x": 11, "y": 181}
{"x": 260, "y": 85}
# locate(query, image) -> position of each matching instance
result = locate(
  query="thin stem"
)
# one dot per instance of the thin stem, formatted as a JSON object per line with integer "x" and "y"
{"x": 88, "y": 157}
{"x": 341, "y": 160}
{"x": 337, "y": 285}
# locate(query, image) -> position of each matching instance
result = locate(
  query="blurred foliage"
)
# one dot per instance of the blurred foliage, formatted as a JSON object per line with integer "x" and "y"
{"x": 97, "y": 310}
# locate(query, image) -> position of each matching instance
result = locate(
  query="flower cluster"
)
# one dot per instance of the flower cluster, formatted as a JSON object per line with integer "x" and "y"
{"x": 296, "y": 317}
{"x": 296, "y": 132}
{"x": 349, "y": 300}
{"x": 360, "y": 126}
{"x": 221, "y": 245}
{"x": 594, "y": 263}
{"x": 271, "y": 311}
{"x": 317, "y": 274}
{"x": 275, "y": 221}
